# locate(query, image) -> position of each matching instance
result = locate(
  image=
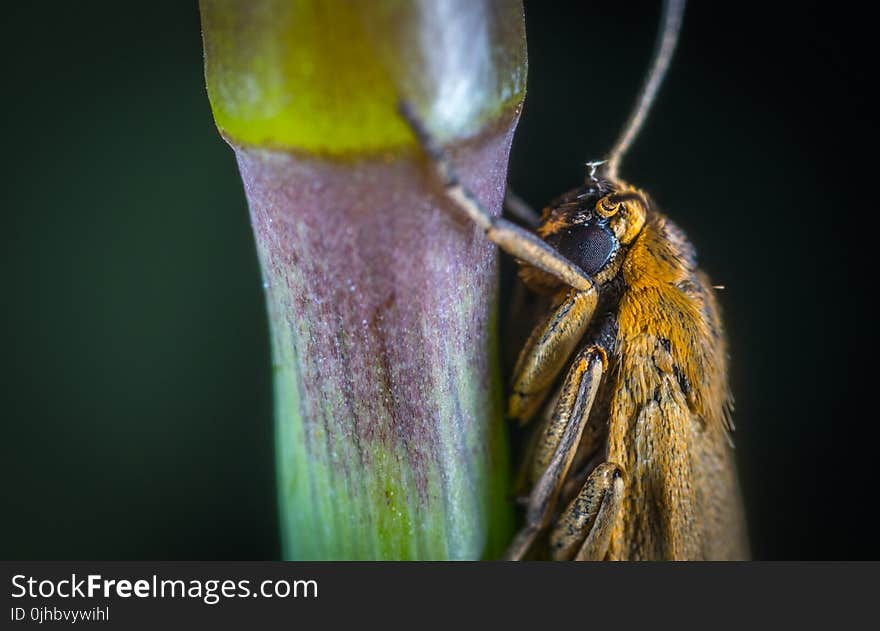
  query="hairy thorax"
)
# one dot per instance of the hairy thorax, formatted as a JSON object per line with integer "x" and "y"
{"x": 668, "y": 418}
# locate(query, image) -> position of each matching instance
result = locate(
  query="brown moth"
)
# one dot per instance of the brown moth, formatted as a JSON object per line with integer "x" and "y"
{"x": 627, "y": 374}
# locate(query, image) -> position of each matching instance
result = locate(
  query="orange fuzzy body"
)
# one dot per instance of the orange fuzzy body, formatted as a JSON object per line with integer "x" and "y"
{"x": 668, "y": 411}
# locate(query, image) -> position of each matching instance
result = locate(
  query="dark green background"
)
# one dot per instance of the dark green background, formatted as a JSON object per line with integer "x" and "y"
{"x": 137, "y": 400}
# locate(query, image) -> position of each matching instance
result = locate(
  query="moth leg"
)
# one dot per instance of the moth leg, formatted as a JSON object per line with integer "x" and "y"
{"x": 561, "y": 439}
{"x": 583, "y": 531}
{"x": 510, "y": 237}
{"x": 547, "y": 349}
{"x": 524, "y": 478}
{"x": 519, "y": 208}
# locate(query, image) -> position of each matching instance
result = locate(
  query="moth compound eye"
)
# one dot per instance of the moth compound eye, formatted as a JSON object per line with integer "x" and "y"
{"x": 589, "y": 246}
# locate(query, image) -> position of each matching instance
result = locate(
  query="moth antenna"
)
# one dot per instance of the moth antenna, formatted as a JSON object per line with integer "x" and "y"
{"x": 667, "y": 38}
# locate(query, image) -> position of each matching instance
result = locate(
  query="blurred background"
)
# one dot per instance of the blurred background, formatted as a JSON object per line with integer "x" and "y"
{"x": 136, "y": 411}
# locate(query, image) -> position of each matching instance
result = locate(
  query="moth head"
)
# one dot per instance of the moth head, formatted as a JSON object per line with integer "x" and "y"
{"x": 593, "y": 224}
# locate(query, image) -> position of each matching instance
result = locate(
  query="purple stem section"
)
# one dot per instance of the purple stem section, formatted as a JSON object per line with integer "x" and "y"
{"x": 381, "y": 299}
